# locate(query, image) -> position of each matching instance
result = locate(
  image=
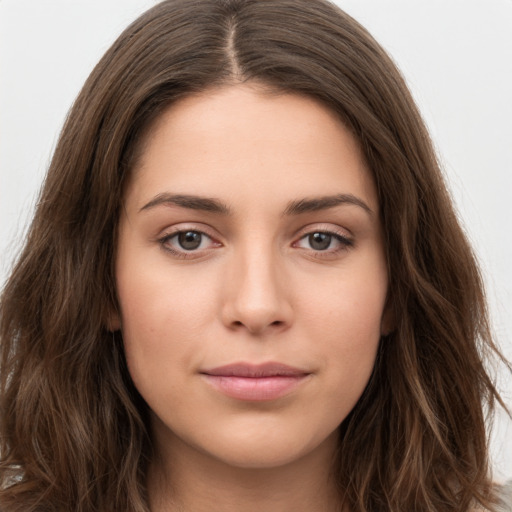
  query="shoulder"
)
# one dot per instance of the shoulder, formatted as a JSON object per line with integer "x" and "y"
{"x": 505, "y": 494}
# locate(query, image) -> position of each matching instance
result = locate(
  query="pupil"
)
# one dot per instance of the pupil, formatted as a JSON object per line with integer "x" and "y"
{"x": 320, "y": 241}
{"x": 189, "y": 240}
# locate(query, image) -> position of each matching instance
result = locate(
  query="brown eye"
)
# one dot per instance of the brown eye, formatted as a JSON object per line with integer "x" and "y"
{"x": 189, "y": 240}
{"x": 324, "y": 242}
{"x": 188, "y": 243}
{"x": 319, "y": 241}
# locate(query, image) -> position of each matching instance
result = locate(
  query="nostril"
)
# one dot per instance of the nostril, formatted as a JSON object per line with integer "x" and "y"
{"x": 256, "y": 327}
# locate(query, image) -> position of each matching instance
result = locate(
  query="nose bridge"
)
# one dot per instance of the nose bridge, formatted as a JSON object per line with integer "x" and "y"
{"x": 257, "y": 297}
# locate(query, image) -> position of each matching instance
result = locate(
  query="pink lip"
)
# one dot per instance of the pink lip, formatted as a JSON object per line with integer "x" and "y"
{"x": 250, "y": 382}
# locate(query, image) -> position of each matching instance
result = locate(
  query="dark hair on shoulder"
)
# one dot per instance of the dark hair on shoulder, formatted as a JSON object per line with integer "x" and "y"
{"x": 73, "y": 429}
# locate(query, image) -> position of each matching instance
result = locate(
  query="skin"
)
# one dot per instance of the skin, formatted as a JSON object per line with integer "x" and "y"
{"x": 258, "y": 288}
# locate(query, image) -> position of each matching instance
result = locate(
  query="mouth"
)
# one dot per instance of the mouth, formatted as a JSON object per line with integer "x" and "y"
{"x": 257, "y": 383}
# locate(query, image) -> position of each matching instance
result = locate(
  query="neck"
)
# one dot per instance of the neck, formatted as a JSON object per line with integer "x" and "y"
{"x": 183, "y": 479}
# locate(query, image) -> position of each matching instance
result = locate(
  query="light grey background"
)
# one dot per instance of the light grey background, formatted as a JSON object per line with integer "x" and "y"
{"x": 455, "y": 54}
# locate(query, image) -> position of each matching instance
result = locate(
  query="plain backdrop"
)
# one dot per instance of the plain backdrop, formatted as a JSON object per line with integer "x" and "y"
{"x": 455, "y": 54}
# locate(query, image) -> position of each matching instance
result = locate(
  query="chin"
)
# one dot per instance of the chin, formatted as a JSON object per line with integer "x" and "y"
{"x": 268, "y": 449}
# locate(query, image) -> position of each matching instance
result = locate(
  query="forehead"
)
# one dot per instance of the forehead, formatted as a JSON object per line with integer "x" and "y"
{"x": 244, "y": 142}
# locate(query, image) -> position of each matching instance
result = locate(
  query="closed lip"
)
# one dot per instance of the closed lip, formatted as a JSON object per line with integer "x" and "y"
{"x": 255, "y": 371}
{"x": 255, "y": 382}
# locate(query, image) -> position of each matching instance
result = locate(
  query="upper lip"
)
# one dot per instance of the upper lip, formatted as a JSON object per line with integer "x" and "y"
{"x": 271, "y": 369}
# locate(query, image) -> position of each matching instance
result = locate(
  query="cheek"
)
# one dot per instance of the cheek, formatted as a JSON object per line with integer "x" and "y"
{"x": 164, "y": 316}
{"x": 345, "y": 320}
{"x": 350, "y": 304}
{"x": 351, "y": 341}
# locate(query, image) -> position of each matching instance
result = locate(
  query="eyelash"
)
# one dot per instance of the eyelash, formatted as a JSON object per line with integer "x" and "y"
{"x": 183, "y": 253}
{"x": 345, "y": 243}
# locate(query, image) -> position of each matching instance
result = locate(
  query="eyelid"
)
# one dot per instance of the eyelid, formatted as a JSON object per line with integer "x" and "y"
{"x": 188, "y": 226}
{"x": 332, "y": 229}
{"x": 342, "y": 235}
{"x": 175, "y": 230}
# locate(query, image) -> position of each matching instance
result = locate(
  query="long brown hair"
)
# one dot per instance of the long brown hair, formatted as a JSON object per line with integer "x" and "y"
{"x": 73, "y": 429}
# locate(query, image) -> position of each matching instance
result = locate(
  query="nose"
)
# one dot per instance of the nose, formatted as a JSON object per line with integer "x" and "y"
{"x": 256, "y": 295}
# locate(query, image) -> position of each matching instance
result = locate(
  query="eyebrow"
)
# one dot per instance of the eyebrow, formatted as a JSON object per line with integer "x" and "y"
{"x": 212, "y": 205}
{"x": 191, "y": 202}
{"x": 323, "y": 203}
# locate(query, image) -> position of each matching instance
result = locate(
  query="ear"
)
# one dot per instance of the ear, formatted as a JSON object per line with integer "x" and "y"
{"x": 388, "y": 320}
{"x": 113, "y": 320}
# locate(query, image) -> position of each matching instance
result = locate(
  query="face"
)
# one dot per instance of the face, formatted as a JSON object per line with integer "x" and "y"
{"x": 251, "y": 276}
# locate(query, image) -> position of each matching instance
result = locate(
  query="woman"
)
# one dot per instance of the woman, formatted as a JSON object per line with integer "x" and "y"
{"x": 245, "y": 284}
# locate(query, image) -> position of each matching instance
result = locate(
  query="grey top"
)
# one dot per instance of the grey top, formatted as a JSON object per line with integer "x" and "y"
{"x": 506, "y": 497}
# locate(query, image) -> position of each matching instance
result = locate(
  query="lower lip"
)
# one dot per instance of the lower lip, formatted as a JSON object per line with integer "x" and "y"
{"x": 255, "y": 389}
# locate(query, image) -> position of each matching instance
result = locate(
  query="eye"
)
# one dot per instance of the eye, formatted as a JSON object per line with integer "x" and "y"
{"x": 319, "y": 241}
{"x": 187, "y": 241}
{"x": 324, "y": 241}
